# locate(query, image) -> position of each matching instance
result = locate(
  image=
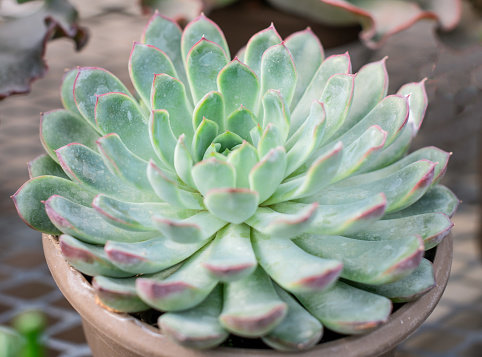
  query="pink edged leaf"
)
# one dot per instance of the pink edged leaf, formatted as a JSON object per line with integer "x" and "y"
{"x": 118, "y": 295}
{"x": 23, "y": 41}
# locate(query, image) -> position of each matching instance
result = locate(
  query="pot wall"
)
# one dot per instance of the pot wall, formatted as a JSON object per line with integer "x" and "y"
{"x": 120, "y": 335}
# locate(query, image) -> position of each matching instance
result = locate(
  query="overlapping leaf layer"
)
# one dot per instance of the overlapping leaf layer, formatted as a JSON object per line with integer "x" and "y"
{"x": 265, "y": 196}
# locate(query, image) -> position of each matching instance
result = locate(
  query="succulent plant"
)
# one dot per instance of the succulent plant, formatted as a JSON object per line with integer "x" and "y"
{"x": 267, "y": 196}
{"x": 379, "y": 19}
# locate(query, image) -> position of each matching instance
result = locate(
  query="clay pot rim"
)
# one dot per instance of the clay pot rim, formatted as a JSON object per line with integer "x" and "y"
{"x": 143, "y": 339}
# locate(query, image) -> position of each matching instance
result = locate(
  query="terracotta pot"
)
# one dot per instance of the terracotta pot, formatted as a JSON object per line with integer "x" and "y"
{"x": 121, "y": 335}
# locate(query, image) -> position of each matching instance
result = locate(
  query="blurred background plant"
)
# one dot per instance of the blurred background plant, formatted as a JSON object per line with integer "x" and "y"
{"x": 24, "y": 340}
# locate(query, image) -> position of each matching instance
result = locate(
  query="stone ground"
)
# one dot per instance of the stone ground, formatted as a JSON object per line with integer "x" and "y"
{"x": 453, "y": 123}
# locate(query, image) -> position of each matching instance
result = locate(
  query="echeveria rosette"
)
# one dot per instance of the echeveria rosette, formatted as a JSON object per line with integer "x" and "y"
{"x": 267, "y": 196}
{"x": 379, "y": 19}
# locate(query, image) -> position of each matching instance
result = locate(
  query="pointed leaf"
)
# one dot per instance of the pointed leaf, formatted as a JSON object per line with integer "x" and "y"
{"x": 438, "y": 199}
{"x": 307, "y": 52}
{"x": 278, "y": 72}
{"x": 118, "y": 294}
{"x": 199, "y": 28}
{"x": 90, "y": 83}
{"x": 145, "y": 61}
{"x": 228, "y": 141}
{"x": 44, "y": 165}
{"x": 239, "y": 86}
{"x": 311, "y": 274}
{"x": 123, "y": 163}
{"x": 67, "y": 90}
{"x": 366, "y": 262}
{"x": 225, "y": 266}
{"x": 241, "y": 122}
{"x": 60, "y": 127}
{"x": 276, "y": 113}
{"x": 233, "y": 205}
{"x": 85, "y": 224}
{"x": 183, "y": 162}
{"x": 211, "y": 107}
{"x": 87, "y": 168}
{"x": 251, "y": 306}
{"x": 136, "y": 216}
{"x": 196, "y": 228}
{"x": 406, "y": 289}
{"x": 203, "y": 63}
{"x": 330, "y": 66}
{"x": 271, "y": 139}
{"x": 197, "y": 327}
{"x": 243, "y": 160}
{"x": 170, "y": 192}
{"x": 150, "y": 256}
{"x": 28, "y": 200}
{"x": 162, "y": 138}
{"x": 89, "y": 259}
{"x": 184, "y": 289}
{"x": 257, "y": 45}
{"x": 418, "y": 102}
{"x": 211, "y": 173}
{"x": 371, "y": 86}
{"x": 281, "y": 225}
{"x": 170, "y": 94}
{"x": 267, "y": 174}
{"x": 203, "y": 137}
{"x": 347, "y": 310}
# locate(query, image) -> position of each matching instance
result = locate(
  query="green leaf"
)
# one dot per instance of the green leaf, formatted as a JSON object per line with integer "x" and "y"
{"x": 432, "y": 227}
{"x": 67, "y": 90}
{"x": 170, "y": 192}
{"x": 211, "y": 107}
{"x": 183, "y": 162}
{"x": 347, "y": 310}
{"x": 307, "y": 52}
{"x": 28, "y": 200}
{"x": 311, "y": 274}
{"x": 257, "y": 45}
{"x": 89, "y": 259}
{"x": 406, "y": 289}
{"x": 251, "y": 306}
{"x": 212, "y": 173}
{"x": 196, "y": 228}
{"x": 170, "y": 94}
{"x": 243, "y": 160}
{"x": 150, "y": 256}
{"x": 199, "y": 28}
{"x": 123, "y": 163}
{"x": 165, "y": 34}
{"x": 239, "y": 86}
{"x": 197, "y": 327}
{"x": 203, "y": 63}
{"x": 271, "y": 139}
{"x": 267, "y": 174}
{"x": 330, "y": 66}
{"x": 228, "y": 141}
{"x": 377, "y": 262}
{"x": 118, "y": 294}
{"x": 282, "y": 225}
{"x": 310, "y": 137}
{"x": 371, "y": 86}
{"x": 144, "y": 62}
{"x": 162, "y": 138}
{"x": 437, "y": 199}
{"x": 61, "y": 127}
{"x": 278, "y": 72}
{"x": 86, "y": 225}
{"x": 402, "y": 189}
{"x": 89, "y": 84}
{"x": 185, "y": 288}
{"x": 203, "y": 138}
{"x": 316, "y": 178}
{"x": 336, "y": 98}
{"x": 241, "y": 122}
{"x": 418, "y": 102}
{"x": 44, "y": 165}
{"x": 233, "y": 205}
{"x": 87, "y": 168}
{"x": 136, "y": 216}
{"x": 225, "y": 266}
{"x": 276, "y": 113}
